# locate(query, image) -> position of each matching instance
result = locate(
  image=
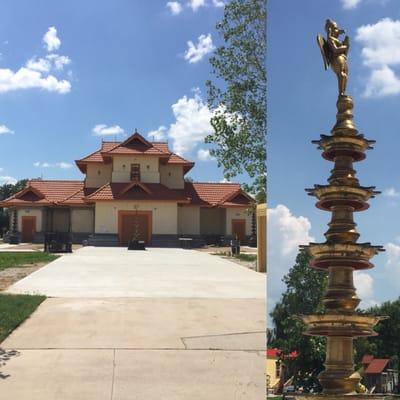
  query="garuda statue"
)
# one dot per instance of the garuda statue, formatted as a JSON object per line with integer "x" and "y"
{"x": 334, "y": 53}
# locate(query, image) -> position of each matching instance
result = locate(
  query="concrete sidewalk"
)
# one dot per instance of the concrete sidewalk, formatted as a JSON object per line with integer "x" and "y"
{"x": 117, "y": 272}
{"x": 141, "y": 348}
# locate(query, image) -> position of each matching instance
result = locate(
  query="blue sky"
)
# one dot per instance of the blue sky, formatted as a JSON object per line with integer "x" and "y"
{"x": 301, "y": 106}
{"x": 69, "y": 67}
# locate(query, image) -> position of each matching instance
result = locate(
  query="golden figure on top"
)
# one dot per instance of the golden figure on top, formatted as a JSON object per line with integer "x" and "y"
{"x": 334, "y": 53}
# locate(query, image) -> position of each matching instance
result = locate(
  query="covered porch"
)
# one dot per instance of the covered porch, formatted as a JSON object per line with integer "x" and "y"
{"x": 32, "y": 223}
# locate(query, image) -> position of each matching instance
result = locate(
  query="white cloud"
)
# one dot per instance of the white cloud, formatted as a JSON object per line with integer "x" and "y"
{"x": 26, "y": 78}
{"x": 52, "y": 61}
{"x": 60, "y": 164}
{"x": 192, "y": 123}
{"x": 4, "y": 180}
{"x": 51, "y": 40}
{"x": 393, "y": 256}
{"x": 39, "y": 64}
{"x": 35, "y": 72}
{"x": 104, "y": 130}
{"x": 158, "y": 134}
{"x": 382, "y": 82}
{"x": 63, "y": 165}
{"x": 365, "y": 288}
{"x": 196, "y": 4}
{"x": 391, "y": 192}
{"x": 175, "y": 7}
{"x": 191, "y": 126}
{"x": 350, "y": 4}
{"x": 204, "y": 46}
{"x": 285, "y": 233}
{"x": 4, "y": 129}
{"x": 59, "y": 61}
{"x": 289, "y": 229}
{"x": 204, "y": 155}
{"x": 224, "y": 180}
{"x": 381, "y": 53}
{"x": 218, "y": 3}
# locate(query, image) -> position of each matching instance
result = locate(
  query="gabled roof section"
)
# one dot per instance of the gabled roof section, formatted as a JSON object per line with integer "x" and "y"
{"x": 135, "y": 185}
{"x": 238, "y": 198}
{"x": 43, "y": 192}
{"x": 136, "y": 191}
{"x": 136, "y": 144}
{"x": 216, "y": 194}
{"x": 136, "y": 136}
{"x": 30, "y": 190}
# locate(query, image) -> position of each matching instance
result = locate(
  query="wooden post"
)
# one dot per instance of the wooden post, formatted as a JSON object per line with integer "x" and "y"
{"x": 262, "y": 237}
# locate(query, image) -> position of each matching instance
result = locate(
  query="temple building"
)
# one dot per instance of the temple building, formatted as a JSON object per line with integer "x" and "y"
{"x": 133, "y": 187}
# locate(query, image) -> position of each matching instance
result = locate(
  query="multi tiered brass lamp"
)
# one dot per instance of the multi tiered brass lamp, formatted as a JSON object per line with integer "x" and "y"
{"x": 341, "y": 254}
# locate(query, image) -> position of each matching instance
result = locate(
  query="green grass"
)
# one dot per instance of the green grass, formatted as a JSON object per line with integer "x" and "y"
{"x": 241, "y": 256}
{"x": 246, "y": 257}
{"x": 15, "y": 309}
{"x": 17, "y": 259}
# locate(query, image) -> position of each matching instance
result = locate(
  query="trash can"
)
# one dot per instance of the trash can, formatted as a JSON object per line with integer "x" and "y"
{"x": 235, "y": 247}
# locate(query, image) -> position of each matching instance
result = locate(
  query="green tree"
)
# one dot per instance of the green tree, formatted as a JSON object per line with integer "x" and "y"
{"x": 304, "y": 291}
{"x": 238, "y": 95}
{"x": 6, "y": 191}
{"x": 387, "y": 343}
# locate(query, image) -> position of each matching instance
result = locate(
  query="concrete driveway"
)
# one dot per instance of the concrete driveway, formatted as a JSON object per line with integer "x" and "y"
{"x": 156, "y": 272}
{"x": 164, "y": 324}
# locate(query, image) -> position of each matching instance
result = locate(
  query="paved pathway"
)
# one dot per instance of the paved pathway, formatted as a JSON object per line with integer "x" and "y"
{"x": 112, "y": 333}
{"x": 117, "y": 272}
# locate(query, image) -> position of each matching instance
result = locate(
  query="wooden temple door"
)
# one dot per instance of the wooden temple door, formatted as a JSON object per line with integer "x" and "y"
{"x": 28, "y": 229}
{"x": 239, "y": 229}
{"x": 134, "y": 225}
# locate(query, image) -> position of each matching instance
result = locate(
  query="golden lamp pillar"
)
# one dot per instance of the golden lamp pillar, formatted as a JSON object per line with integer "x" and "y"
{"x": 340, "y": 255}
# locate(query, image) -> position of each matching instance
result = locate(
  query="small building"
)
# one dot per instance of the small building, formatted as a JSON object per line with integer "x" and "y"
{"x": 133, "y": 187}
{"x": 277, "y": 374}
{"x": 379, "y": 375}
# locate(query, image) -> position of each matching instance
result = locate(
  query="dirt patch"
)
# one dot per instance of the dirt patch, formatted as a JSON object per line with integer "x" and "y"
{"x": 11, "y": 275}
{"x": 220, "y": 249}
{"x": 248, "y": 264}
{"x": 223, "y": 251}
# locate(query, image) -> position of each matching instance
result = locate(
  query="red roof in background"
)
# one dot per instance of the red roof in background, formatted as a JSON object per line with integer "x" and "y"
{"x": 367, "y": 358}
{"x": 275, "y": 353}
{"x": 155, "y": 191}
{"x": 214, "y": 194}
{"x": 377, "y": 365}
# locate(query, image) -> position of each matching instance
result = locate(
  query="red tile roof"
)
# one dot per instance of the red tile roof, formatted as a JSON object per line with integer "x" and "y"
{"x": 139, "y": 191}
{"x": 53, "y": 192}
{"x": 214, "y": 194}
{"x": 367, "y": 358}
{"x": 134, "y": 145}
{"x": 137, "y": 144}
{"x": 276, "y": 353}
{"x": 78, "y": 197}
{"x": 377, "y": 365}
